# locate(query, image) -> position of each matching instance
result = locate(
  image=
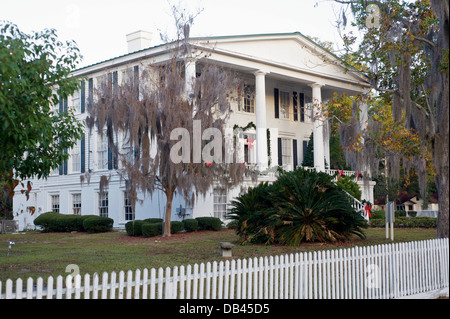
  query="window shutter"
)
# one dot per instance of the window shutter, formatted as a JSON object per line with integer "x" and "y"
{"x": 136, "y": 80}
{"x": 61, "y": 104}
{"x": 90, "y": 92}
{"x": 295, "y": 103}
{"x": 65, "y": 105}
{"x": 61, "y": 169}
{"x": 280, "y": 153}
{"x": 83, "y": 97}
{"x": 276, "y": 95}
{"x": 294, "y": 148}
{"x": 110, "y": 159}
{"x": 302, "y": 107}
{"x": 115, "y": 82}
{"x": 65, "y": 163}
{"x": 83, "y": 151}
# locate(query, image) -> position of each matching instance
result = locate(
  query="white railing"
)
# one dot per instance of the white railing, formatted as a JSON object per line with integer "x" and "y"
{"x": 373, "y": 272}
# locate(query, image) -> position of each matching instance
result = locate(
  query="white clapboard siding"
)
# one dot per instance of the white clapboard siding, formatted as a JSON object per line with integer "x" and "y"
{"x": 372, "y": 272}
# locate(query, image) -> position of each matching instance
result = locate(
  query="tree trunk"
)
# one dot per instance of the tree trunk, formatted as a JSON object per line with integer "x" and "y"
{"x": 168, "y": 216}
{"x": 440, "y": 82}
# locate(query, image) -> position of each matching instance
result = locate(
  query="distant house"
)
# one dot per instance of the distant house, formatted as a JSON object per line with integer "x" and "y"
{"x": 289, "y": 74}
{"x": 408, "y": 203}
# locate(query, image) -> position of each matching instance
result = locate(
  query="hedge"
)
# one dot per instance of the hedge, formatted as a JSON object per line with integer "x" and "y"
{"x": 406, "y": 222}
{"x": 134, "y": 227}
{"x": 209, "y": 223}
{"x": 153, "y": 220}
{"x": 97, "y": 224}
{"x": 190, "y": 225}
{"x": 55, "y": 222}
{"x": 151, "y": 230}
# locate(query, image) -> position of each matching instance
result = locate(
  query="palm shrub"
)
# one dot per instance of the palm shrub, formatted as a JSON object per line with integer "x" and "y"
{"x": 300, "y": 206}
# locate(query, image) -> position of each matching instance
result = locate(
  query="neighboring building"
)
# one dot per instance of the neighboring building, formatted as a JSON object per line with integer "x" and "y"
{"x": 289, "y": 75}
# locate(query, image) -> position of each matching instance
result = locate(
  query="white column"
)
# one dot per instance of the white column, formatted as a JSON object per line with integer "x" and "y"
{"x": 319, "y": 152}
{"x": 189, "y": 76}
{"x": 326, "y": 141}
{"x": 261, "y": 121}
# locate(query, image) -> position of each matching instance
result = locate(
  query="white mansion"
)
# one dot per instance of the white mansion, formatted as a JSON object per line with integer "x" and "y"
{"x": 290, "y": 75}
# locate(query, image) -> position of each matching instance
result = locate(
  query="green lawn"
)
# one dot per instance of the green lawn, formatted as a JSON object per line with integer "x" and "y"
{"x": 47, "y": 254}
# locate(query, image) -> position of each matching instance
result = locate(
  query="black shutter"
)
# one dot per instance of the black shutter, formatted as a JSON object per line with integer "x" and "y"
{"x": 302, "y": 107}
{"x": 61, "y": 104}
{"x": 83, "y": 97}
{"x": 295, "y": 103}
{"x": 305, "y": 147}
{"x": 276, "y": 97}
{"x": 294, "y": 147}
{"x": 65, "y": 163}
{"x": 110, "y": 157}
{"x": 90, "y": 93}
{"x": 280, "y": 153}
{"x": 65, "y": 105}
{"x": 83, "y": 152}
{"x": 136, "y": 80}
{"x": 115, "y": 82}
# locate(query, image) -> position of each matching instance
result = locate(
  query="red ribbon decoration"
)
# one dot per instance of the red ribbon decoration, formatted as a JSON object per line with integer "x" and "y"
{"x": 368, "y": 210}
{"x": 209, "y": 164}
{"x": 250, "y": 142}
{"x": 358, "y": 175}
{"x": 341, "y": 173}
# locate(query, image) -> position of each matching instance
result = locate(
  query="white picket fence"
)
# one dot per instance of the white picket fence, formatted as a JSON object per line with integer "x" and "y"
{"x": 383, "y": 271}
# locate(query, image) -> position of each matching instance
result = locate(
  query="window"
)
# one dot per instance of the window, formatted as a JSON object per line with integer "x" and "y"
{"x": 76, "y": 204}
{"x": 249, "y": 99}
{"x": 102, "y": 151}
{"x": 76, "y": 157}
{"x": 284, "y": 105}
{"x": 128, "y": 208}
{"x": 55, "y": 203}
{"x": 220, "y": 202}
{"x": 76, "y": 101}
{"x": 286, "y": 151}
{"x": 103, "y": 204}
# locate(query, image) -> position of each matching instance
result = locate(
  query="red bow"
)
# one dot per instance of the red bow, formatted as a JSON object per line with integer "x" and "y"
{"x": 341, "y": 173}
{"x": 358, "y": 175}
{"x": 368, "y": 210}
{"x": 250, "y": 142}
{"x": 209, "y": 164}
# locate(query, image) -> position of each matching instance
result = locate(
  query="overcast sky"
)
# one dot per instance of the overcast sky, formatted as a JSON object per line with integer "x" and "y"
{"x": 99, "y": 27}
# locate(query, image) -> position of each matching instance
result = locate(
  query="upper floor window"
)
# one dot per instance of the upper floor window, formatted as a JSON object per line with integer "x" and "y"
{"x": 76, "y": 157}
{"x": 284, "y": 105}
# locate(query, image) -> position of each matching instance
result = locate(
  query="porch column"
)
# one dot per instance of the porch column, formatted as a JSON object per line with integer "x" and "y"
{"x": 319, "y": 153}
{"x": 189, "y": 77}
{"x": 261, "y": 121}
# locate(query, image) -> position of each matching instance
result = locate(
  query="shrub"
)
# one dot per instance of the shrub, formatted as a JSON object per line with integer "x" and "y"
{"x": 46, "y": 221}
{"x": 299, "y": 206}
{"x": 176, "y": 227}
{"x": 379, "y": 213}
{"x": 412, "y": 213}
{"x": 350, "y": 186}
{"x": 153, "y": 220}
{"x": 209, "y": 223}
{"x": 400, "y": 213}
{"x": 97, "y": 224}
{"x": 151, "y": 230}
{"x": 134, "y": 227}
{"x": 190, "y": 225}
{"x": 232, "y": 225}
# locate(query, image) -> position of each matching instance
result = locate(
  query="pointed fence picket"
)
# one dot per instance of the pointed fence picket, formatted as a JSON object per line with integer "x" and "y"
{"x": 371, "y": 272}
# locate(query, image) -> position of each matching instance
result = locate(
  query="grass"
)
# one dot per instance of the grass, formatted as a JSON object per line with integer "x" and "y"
{"x": 48, "y": 254}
